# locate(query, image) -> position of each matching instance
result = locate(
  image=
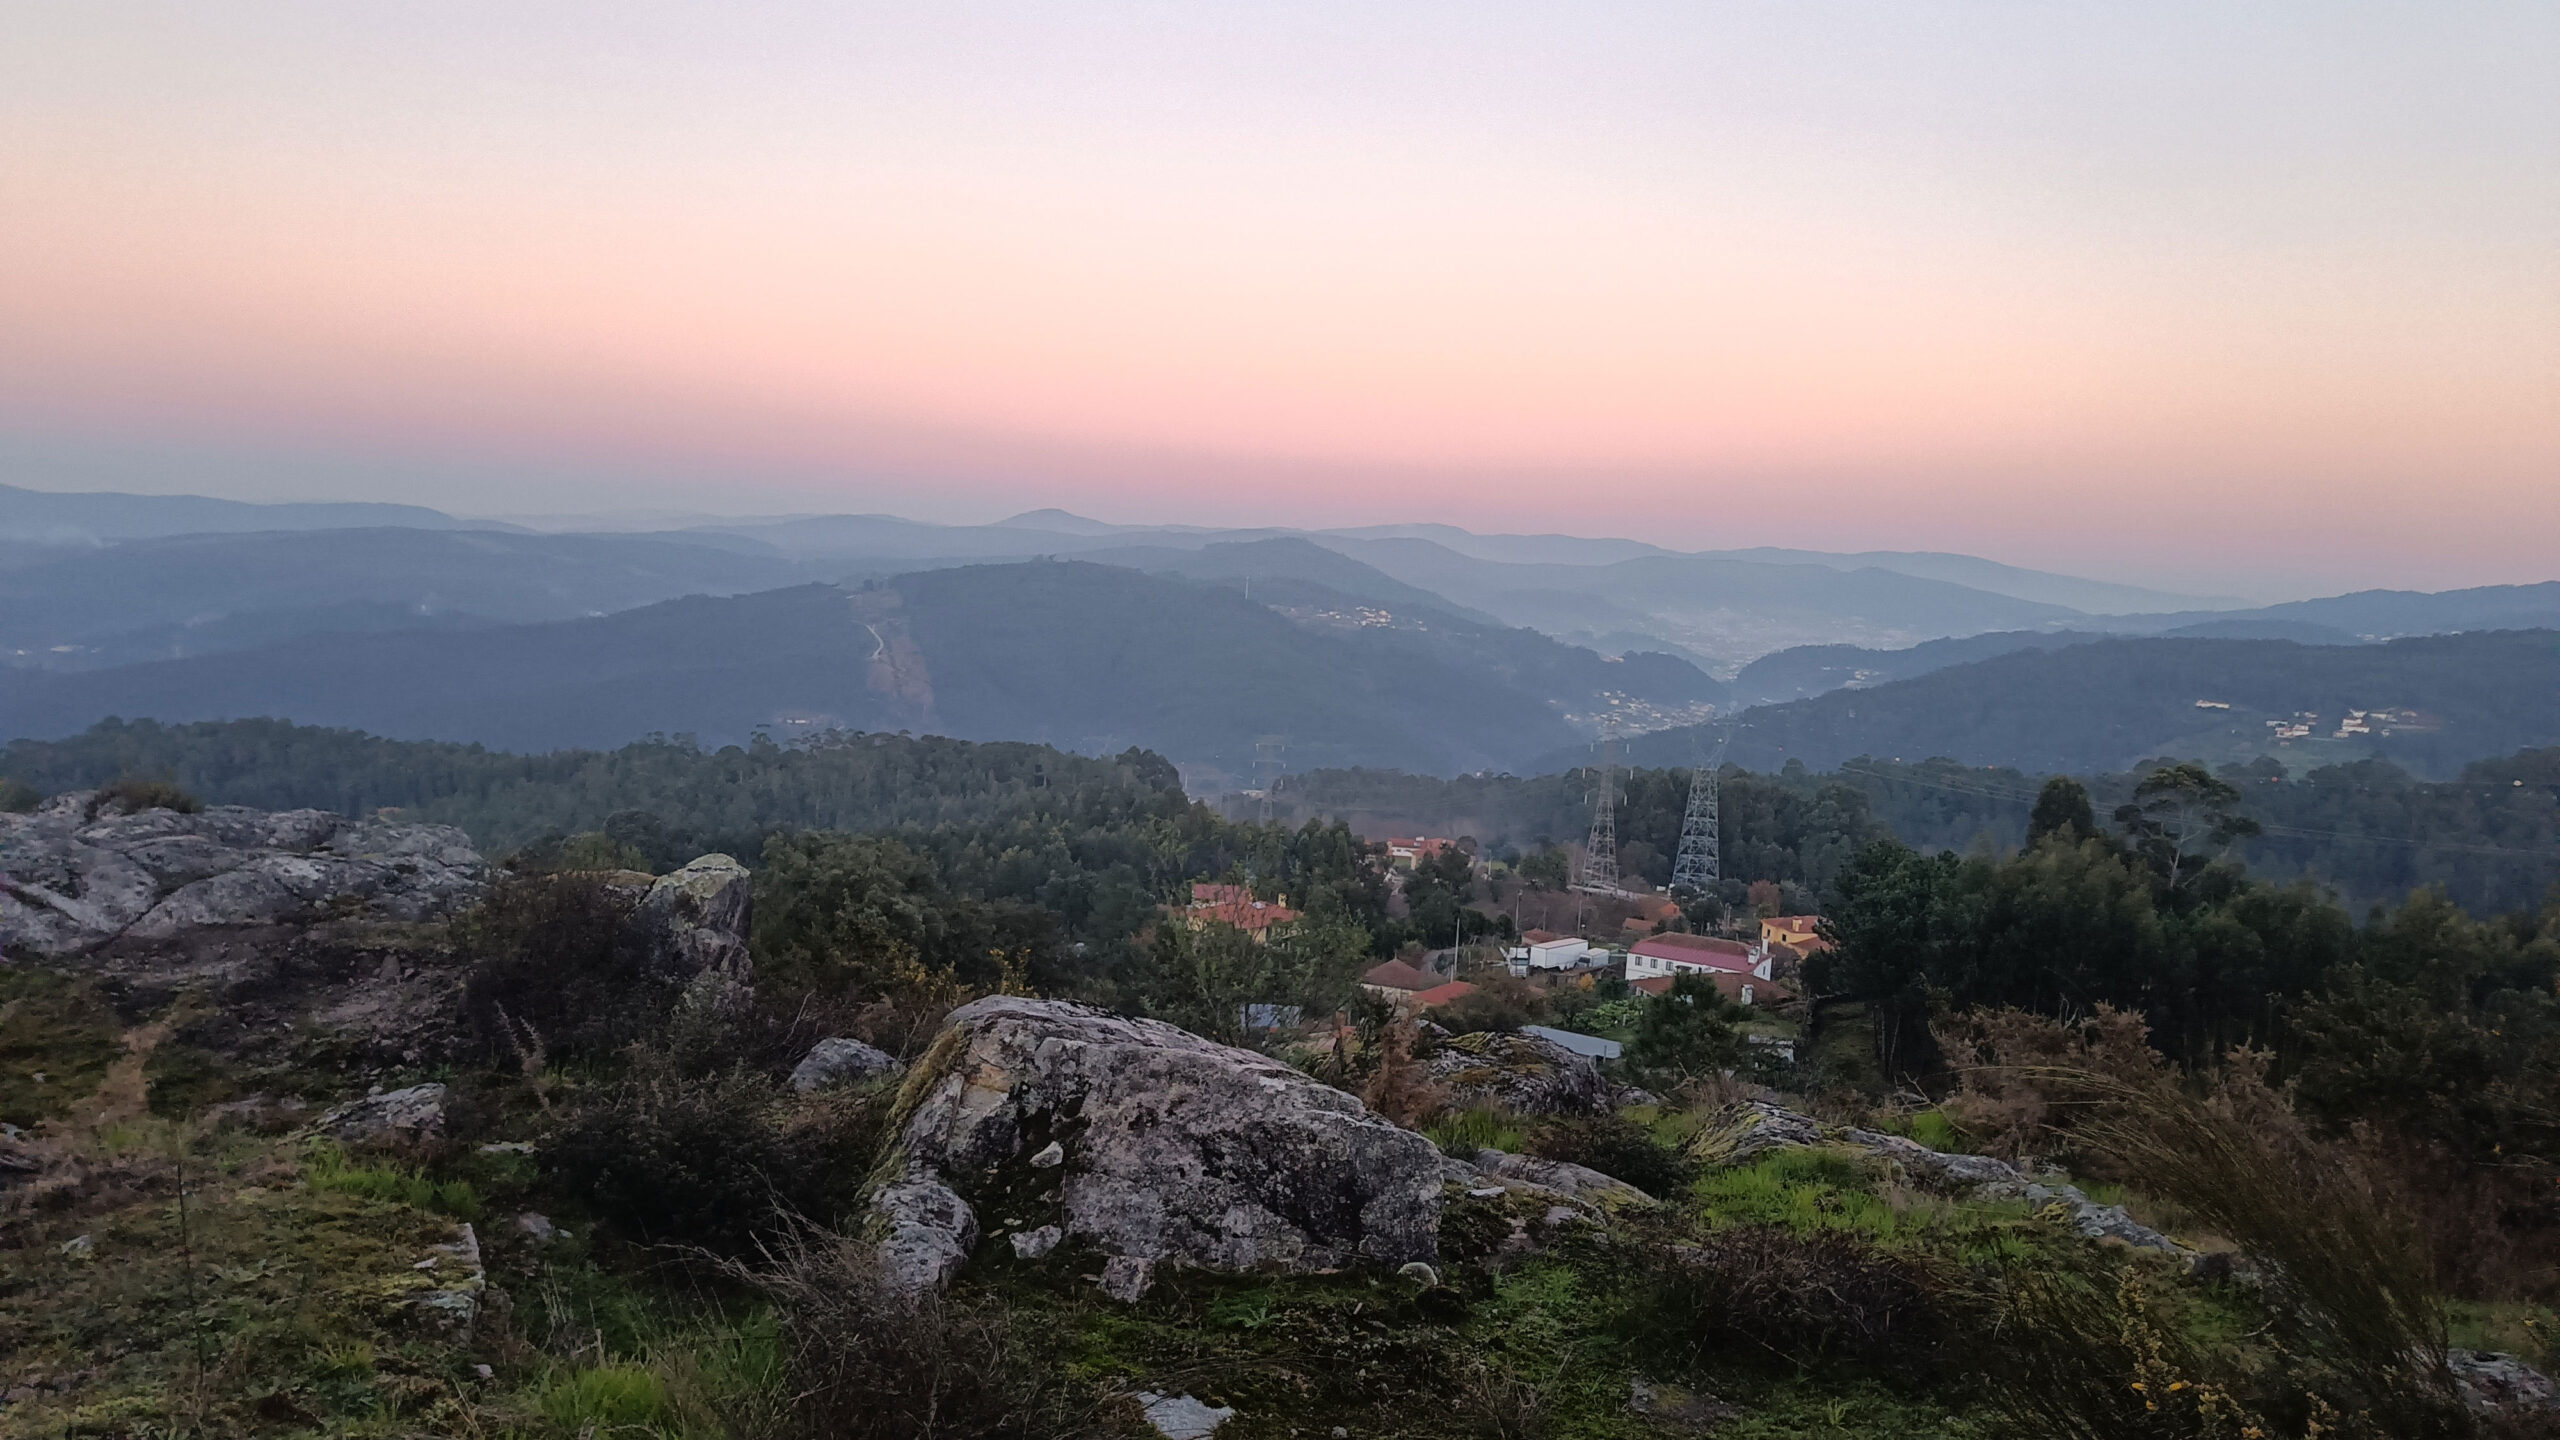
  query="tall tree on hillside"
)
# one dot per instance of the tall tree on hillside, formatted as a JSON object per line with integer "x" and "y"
{"x": 2062, "y": 808}
{"x": 2183, "y": 819}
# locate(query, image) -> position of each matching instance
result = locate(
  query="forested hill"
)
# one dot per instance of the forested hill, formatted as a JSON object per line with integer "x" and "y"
{"x": 2103, "y": 706}
{"x": 1087, "y": 657}
{"x": 2370, "y": 831}
{"x": 658, "y": 792}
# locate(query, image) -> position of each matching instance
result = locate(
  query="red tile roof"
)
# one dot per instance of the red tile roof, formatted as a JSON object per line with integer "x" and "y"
{"x": 1443, "y": 994}
{"x": 1243, "y": 914}
{"x": 1696, "y": 950}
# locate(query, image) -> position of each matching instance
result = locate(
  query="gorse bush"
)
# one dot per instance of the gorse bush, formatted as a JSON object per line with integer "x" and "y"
{"x": 721, "y": 1163}
{"x": 1615, "y": 1147}
{"x": 1796, "y": 1295}
{"x": 861, "y": 1361}
{"x": 560, "y": 965}
{"x": 2349, "y": 1293}
{"x": 133, "y": 796}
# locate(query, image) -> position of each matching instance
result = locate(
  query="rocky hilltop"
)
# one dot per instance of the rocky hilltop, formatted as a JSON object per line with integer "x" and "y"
{"x": 83, "y": 872}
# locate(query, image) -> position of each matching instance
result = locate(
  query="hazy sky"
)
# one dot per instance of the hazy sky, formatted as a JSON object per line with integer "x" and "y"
{"x": 2157, "y": 290}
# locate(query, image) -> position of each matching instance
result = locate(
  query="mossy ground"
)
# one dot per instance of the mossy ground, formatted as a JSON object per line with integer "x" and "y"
{"x": 58, "y": 1036}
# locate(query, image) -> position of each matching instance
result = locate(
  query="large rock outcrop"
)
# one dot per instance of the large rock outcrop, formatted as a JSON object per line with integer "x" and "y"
{"x": 699, "y": 914}
{"x": 75, "y": 876}
{"x": 1525, "y": 1074}
{"x": 1145, "y": 1143}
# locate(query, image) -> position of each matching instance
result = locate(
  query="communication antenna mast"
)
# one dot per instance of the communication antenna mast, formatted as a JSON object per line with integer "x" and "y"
{"x": 1701, "y": 860}
{"x": 1600, "y": 857}
{"x": 1266, "y": 769}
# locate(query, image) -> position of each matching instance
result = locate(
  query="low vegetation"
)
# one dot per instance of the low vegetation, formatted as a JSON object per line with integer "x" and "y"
{"x": 2358, "y": 1157}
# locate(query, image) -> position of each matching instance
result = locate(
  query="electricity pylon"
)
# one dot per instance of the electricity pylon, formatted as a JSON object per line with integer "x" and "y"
{"x": 1600, "y": 853}
{"x": 1700, "y": 863}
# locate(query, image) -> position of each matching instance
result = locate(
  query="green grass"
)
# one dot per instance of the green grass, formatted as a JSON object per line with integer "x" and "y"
{"x": 1462, "y": 1133}
{"x": 1812, "y": 1190}
{"x": 1927, "y": 1127}
{"x": 280, "y": 1309}
{"x": 326, "y": 1167}
{"x": 610, "y": 1398}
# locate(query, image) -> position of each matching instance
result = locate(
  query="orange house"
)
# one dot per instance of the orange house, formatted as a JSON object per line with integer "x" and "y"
{"x": 1800, "y": 933}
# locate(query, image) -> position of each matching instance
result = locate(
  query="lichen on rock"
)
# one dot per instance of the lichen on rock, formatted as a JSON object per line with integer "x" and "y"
{"x": 1172, "y": 1149}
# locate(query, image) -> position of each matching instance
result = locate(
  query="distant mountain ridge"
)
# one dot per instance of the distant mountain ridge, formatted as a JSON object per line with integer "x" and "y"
{"x": 1089, "y": 657}
{"x": 2103, "y": 705}
{"x": 95, "y": 517}
{"x": 214, "y": 585}
{"x": 174, "y": 596}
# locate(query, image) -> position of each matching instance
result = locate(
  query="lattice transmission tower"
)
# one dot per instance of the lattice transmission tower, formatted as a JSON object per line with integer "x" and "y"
{"x": 1700, "y": 864}
{"x": 1701, "y": 860}
{"x": 1600, "y": 853}
{"x": 1267, "y": 768}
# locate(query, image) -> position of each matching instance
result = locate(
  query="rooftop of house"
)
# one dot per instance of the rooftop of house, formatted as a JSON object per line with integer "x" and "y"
{"x": 1689, "y": 947}
{"x": 1443, "y": 994}
{"x": 1243, "y": 914}
{"x": 1578, "y": 1043}
{"x": 1539, "y": 937}
{"x": 1397, "y": 975}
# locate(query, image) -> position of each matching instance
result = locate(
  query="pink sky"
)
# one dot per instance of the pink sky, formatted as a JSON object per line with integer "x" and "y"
{"x": 2165, "y": 292}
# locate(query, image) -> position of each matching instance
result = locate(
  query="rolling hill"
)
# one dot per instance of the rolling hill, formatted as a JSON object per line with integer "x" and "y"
{"x": 1722, "y": 610}
{"x": 2103, "y": 705}
{"x": 1089, "y": 657}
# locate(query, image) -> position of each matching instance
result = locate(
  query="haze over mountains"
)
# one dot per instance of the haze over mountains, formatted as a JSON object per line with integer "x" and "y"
{"x": 1423, "y": 646}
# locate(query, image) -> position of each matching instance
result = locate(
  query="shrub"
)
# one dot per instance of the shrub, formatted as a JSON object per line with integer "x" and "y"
{"x": 860, "y": 1360}
{"x": 720, "y": 1163}
{"x": 2351, "y": 1299}
{"x": 1801, "y": 1296}
{"x": 133, "y": 796}
{"x": 2014, "y": 1069}
{"x": 1687, "y": 1033}
{"x": 1399, "y": 1088}
{"x": 2089, "y": 1348}
{"x": 17, "y": 797}
{"x": 1617, "y": 1147}
{"x": 560, "y": 964}
{"x": 1500, "y": 1003}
